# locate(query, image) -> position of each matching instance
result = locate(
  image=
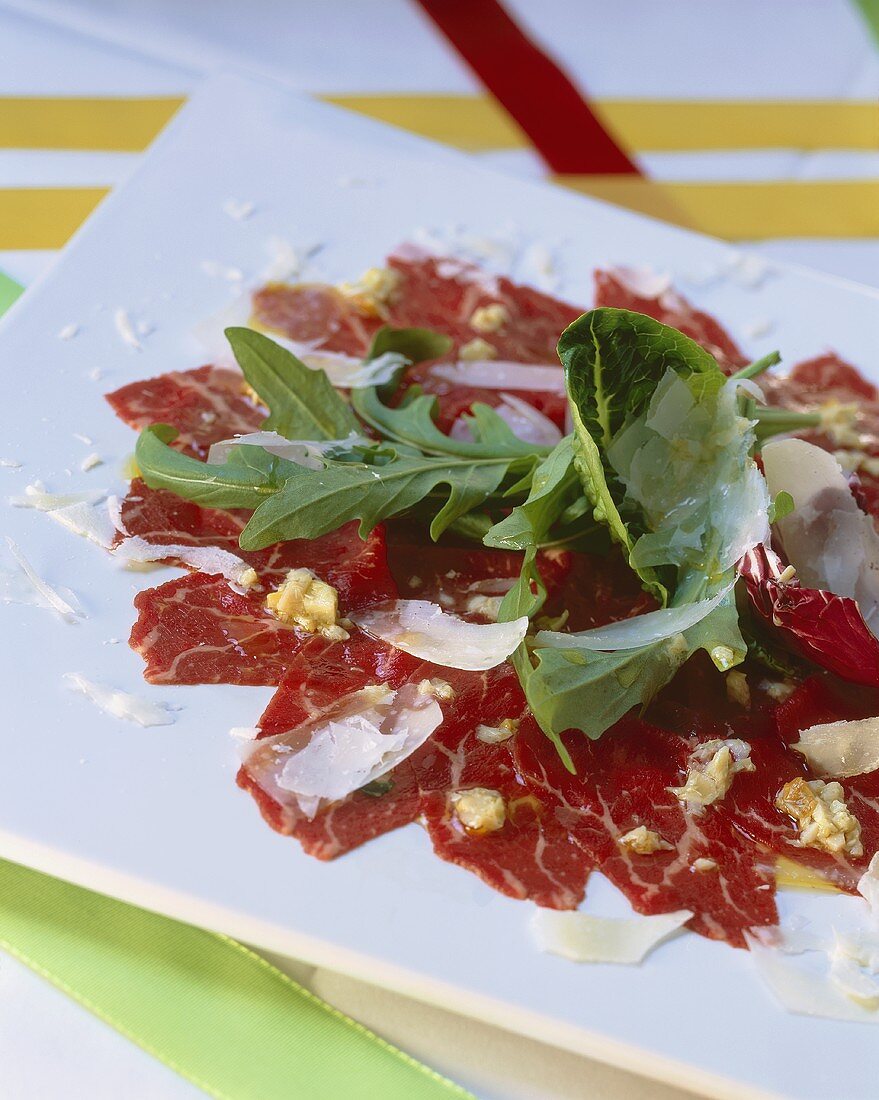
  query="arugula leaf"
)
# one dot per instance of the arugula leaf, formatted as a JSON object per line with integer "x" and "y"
{"x": 413, "y": 423}
{"x": 314, "y": 502}
{"x": 416, "y": 344}
{"x": 245, "y": 480}
{"x": 302, "y": 402}
{"x": 554, "y": 487}
{"x": 527, "y": 597}
{"x": 613, "y": 360}
{"x": 576, "y": 688}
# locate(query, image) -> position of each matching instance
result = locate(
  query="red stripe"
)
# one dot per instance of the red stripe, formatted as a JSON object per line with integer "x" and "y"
{"x": 531, "y": 87}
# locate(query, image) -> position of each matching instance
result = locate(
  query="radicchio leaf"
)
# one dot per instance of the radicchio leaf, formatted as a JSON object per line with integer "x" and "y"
{"x": 820, "y": 626}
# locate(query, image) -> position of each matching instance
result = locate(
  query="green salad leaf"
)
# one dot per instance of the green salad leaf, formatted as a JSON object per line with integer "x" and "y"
{"x": 413, "y": 423}
{"x": 393, "y": 482}
{"x": 302, "y": 402}
{"x": 583, "y": 689}
{"x": 613, "y": 361}
{"x": 244, "y": 481}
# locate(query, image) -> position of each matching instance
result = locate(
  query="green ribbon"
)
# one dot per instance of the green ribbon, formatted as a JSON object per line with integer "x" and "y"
{"x": 869, "y": 10}
{"x": 9, "y": 291}
{"x": 209, "y": 1008}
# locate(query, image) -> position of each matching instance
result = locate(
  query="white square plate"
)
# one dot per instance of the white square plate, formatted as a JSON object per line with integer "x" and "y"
{"x": 154, "y": 816}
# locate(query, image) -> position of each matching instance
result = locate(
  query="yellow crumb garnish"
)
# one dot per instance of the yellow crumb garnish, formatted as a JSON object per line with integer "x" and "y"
{"x": 490, "y": 318}
{"x": 305, "y": 601}
{"x": 477, "y": 349}
{"x": 644, "y": 841}
{"x": 824, "y": 820}
{"x": 374, "y": 291}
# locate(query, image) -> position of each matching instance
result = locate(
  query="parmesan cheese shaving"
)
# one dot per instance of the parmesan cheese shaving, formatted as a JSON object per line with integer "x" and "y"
{"x": 868, "y": 887}
{"x": 369, "y": 734}
{"x": 837, "y": 750}
{"x": 639, "y": 631}
{"x": 496, "y": 374}
{"x": 125, "y": 328}
{"x": 121, "y": 704}
{"x": 583, "y": 938}
{"x": 808, "y": 986}
{"x": 36, "y": 496}
{"x": 425, "y": 630}
{"x": 205, "y": 559}
{"x": 304, "y": 452}
{"x": 831, "y": 543}
{"x": 527, "y": 422}
{"x": 45, "y": 595}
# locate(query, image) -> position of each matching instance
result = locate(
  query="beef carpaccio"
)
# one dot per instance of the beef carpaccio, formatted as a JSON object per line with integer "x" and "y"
{"x": 617, "y": 810}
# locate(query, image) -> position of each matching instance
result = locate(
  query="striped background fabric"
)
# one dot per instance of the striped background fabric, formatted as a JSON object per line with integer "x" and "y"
{"x": 752, "y": 120}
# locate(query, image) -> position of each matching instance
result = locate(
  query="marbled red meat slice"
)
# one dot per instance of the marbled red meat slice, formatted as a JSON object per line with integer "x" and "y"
{"x": 196, "y": 630}
{"x": 315, "y": 313}
{"x": 453, "y": 575}
{"x": 205, "y": 405}
{"x": 817, "y": 700}
{"x": 321, "y": 674}
{"x": 621, "y": 783}
{"x": 443, "y": 293}
{"x": 827, "y": 377}
{"x": 436, "y": 293}
{"x": 531, "y": 855}
{"x": 671, "y": 308}
{"x": 357, "y": 568}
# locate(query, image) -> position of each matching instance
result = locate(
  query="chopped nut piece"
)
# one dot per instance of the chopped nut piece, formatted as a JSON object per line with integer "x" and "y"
{"x": 838, "y": 421}
{"x": 644, "y": 841}
{"x": 251, "y": 394}
{"x": 491, "y": 318}
{"x": 373, "y": 291}
{"x": 439, "y": 689}
{"x": 778, "y": 690}
{"x": 852, "y": 461}
{"x": 305, "y": 601}
{"x": 493, "y": 735}
{"x": 737, "y": 690}
{"x": 248, "y": 578}
{"x": 702, "y": 865}
{"x": 488, "y": 606}
{"x": 480, "y": 810}
{"x": 477, "y": 349}
{"x": 824, "y": 820}
{"x": 711, "y": 769}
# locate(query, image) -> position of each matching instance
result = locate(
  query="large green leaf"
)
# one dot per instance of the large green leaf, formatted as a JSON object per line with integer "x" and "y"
{"x": 415, "y": 344}
{"x": 577, "y": 688}
{"x": 302, "y": 403}
{"x": 613, "y": 360}
{"x": 244, "y": 481}
{"x": 413, "y": 423}
{"x": 314, "y": 502}
{"x": 553, "y": 488}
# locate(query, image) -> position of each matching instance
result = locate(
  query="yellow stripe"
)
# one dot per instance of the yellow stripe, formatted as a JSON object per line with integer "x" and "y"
{"x": 477, "y": 122}
{"x": 671, "y": 125}
{"x": 72, "y": 122}
{"x": 742, "y": 211}
{"x": 472, "y": 122}
{"x": 44, "y": 217}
